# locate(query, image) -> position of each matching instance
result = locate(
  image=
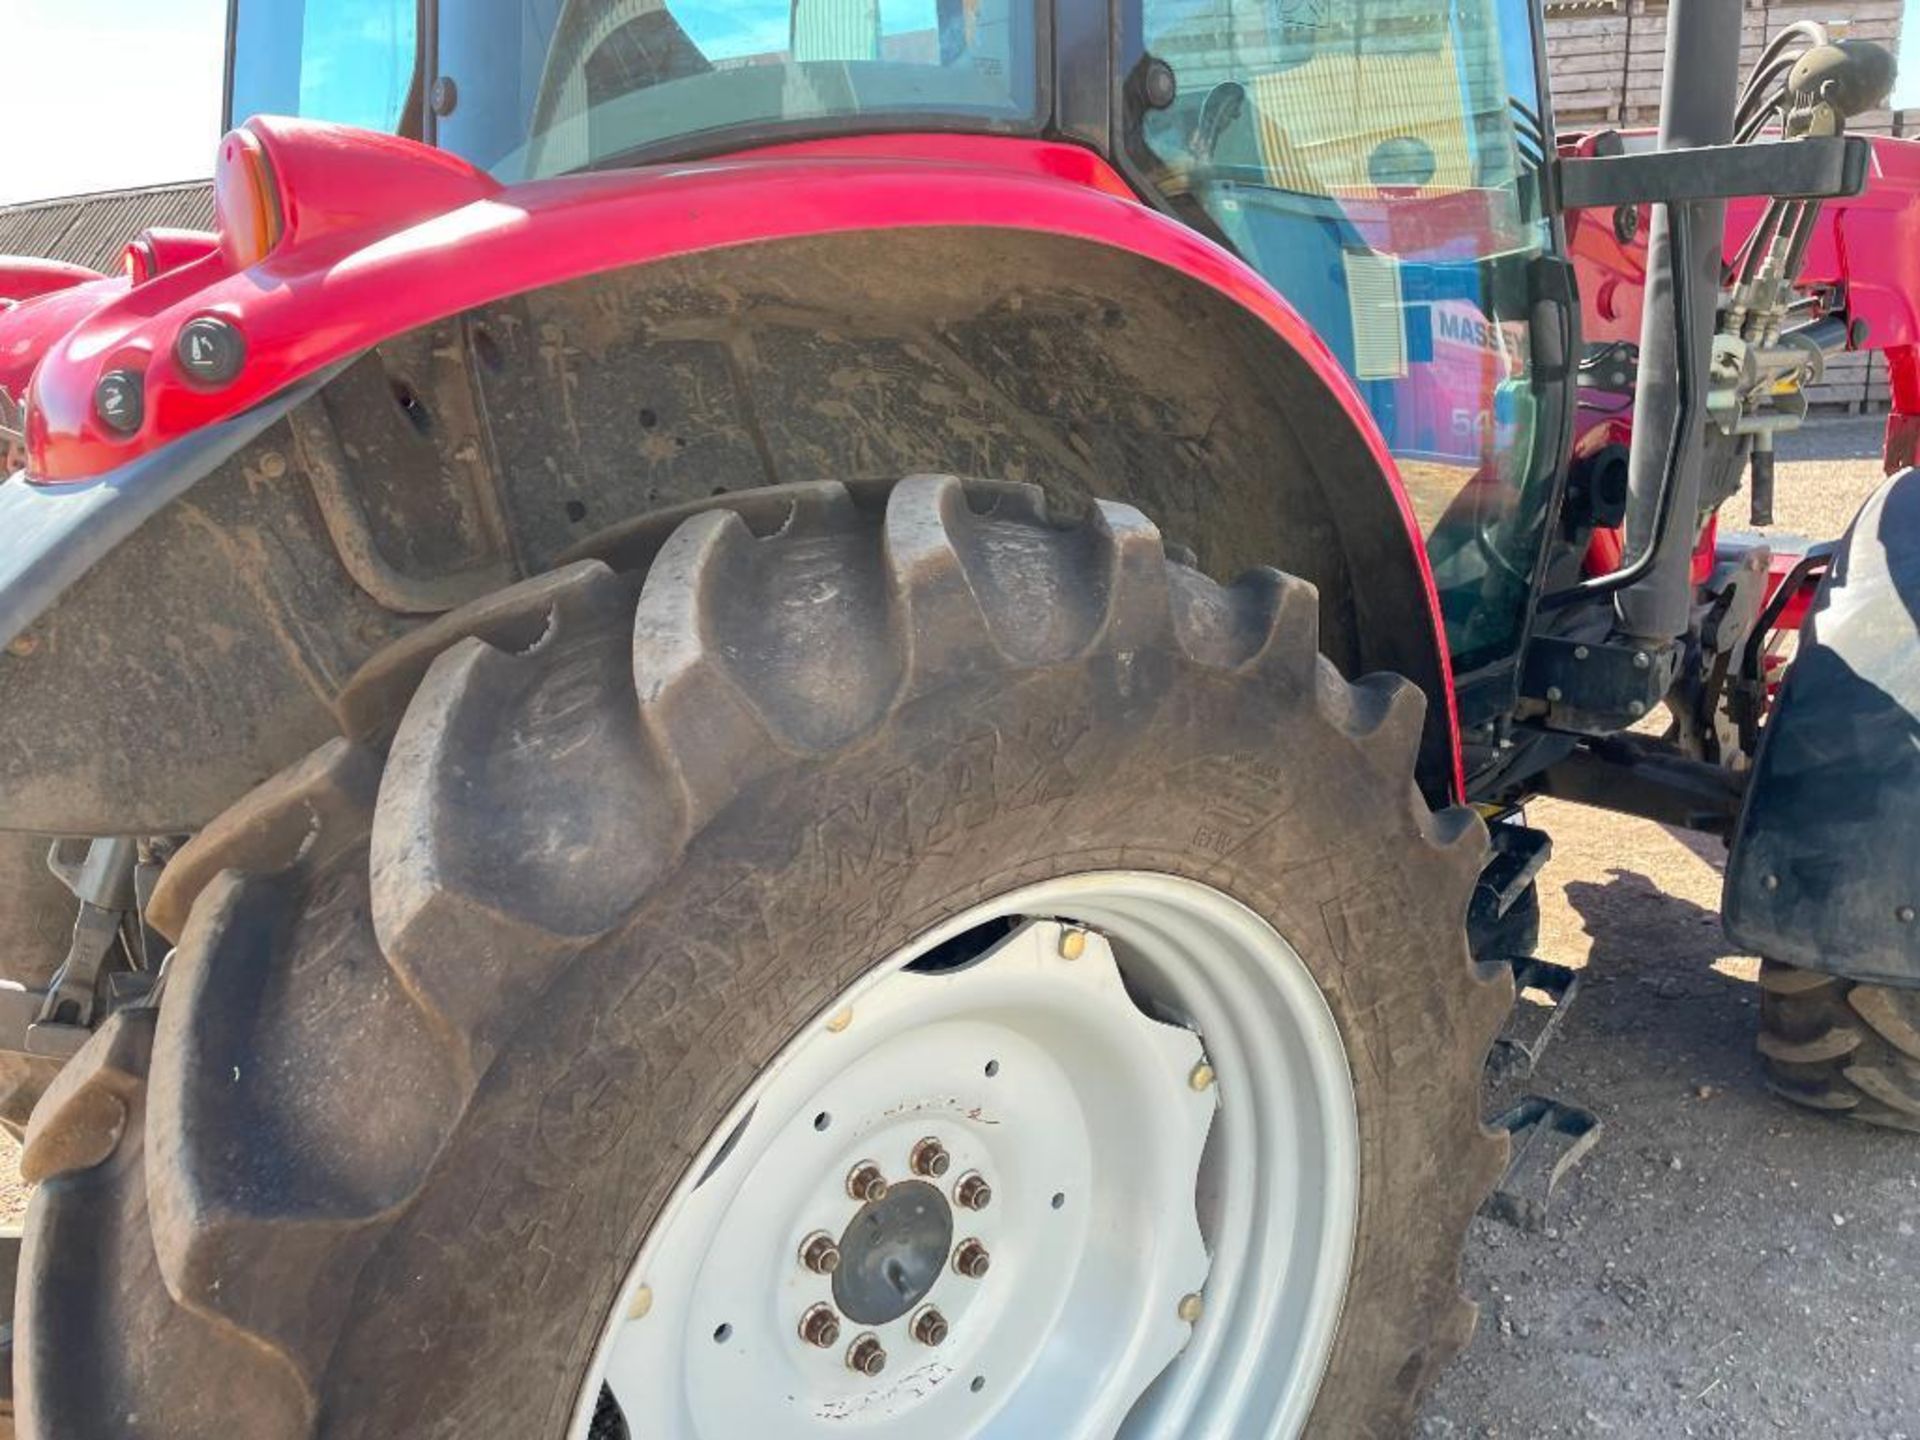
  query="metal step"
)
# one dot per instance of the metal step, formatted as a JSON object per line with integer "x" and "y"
{"x": 1550, "y": 1137}
{"x": 1543, "y": 992}
{"x": 1519, "y": 851}
{"x": 1498, "y": 923}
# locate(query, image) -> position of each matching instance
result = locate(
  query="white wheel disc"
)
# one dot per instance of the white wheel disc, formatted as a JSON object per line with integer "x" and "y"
{"x": 1099, "y": 1179}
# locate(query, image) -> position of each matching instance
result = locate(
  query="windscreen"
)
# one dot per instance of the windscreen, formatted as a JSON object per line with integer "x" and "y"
{"x": 531, "y": 88}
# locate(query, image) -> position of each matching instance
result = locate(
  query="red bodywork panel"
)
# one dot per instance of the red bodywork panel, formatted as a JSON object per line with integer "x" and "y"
{"x": 29, "y": 329}
{"x": 384, "y": 235}
{"x": 1779, "y": 569}
{"x": 22, "y": 277}
{"x": 161, "y": 248}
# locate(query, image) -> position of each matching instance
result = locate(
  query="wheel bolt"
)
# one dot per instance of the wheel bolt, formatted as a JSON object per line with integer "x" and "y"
{"x": 971, "y": 1260}
{"x": 930, "y": 1327}
{"x": 973, "y": 1192}
{"x": 866, "y": 1356}
{"x": 866, "y": 1182}
{"x": 930, "y": 1158}
{"x": 820, "y": 1326}
{"x": 819, "y": 1253}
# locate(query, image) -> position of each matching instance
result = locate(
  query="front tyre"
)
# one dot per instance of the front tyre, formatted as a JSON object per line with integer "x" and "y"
{"x": 515, "y": 1077}
{"x": 1844, "y": 1047}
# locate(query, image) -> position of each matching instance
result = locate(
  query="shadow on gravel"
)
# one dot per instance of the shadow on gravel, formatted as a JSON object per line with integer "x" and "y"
{"x": 1663, "y": 980}
{"x": 1723, "y": 1266}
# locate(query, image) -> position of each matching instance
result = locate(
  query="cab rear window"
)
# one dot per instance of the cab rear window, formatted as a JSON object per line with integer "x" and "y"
{"x": 529, "y": 88}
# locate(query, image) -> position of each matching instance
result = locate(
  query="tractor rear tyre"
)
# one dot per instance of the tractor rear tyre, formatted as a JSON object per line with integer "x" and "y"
{"x": 910, "y": 961}
{"x": 1841, "y": 1046}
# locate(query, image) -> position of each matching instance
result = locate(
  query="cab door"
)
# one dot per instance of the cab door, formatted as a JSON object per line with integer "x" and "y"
{"x": 1380, "y": 162}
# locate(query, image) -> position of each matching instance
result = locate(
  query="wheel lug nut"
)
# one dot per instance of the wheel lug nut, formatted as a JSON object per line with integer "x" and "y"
{"x": 819, "y": 1253}
{"x": 866, "y": 1356}
{"x": 930, "y": 1327}
{"x": 971, "y": 1260}
{"x": 930, "y": 1158}
{"x": 866, "y": 1182}
{"x": 820, "y": 1326}
{"x": 973, "y": 1192}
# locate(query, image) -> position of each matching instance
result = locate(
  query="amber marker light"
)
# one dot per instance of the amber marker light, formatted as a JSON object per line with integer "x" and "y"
{"x": 138, "y": 262}
{"x": 246, "y": 202}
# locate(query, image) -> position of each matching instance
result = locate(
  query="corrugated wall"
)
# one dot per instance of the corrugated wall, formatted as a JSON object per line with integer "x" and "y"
{"x": 1606, "y": 58}
{"x": 93, "y": 230}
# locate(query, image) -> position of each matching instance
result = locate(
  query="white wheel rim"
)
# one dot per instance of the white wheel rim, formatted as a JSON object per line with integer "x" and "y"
{"x": 1240, "y": 1192}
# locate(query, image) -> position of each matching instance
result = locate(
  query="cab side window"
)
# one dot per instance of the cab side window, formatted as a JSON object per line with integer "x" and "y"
{"x": 1377, "y": 161}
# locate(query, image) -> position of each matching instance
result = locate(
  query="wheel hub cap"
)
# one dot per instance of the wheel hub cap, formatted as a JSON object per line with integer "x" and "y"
{"x": 892, "y": 1253}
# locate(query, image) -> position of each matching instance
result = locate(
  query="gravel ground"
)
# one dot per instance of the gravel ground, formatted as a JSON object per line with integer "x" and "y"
{"x": 13, "y": 1193}
{"x": 1723, "y": 1265}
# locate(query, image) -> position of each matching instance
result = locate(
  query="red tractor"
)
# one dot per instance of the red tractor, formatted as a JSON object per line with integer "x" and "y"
{"x": 776, "y": 715}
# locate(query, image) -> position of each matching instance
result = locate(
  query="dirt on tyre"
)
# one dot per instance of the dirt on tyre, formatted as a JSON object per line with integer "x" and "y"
{"x": 483, "y": 1093}
{"x": 1841, "y": 1046}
